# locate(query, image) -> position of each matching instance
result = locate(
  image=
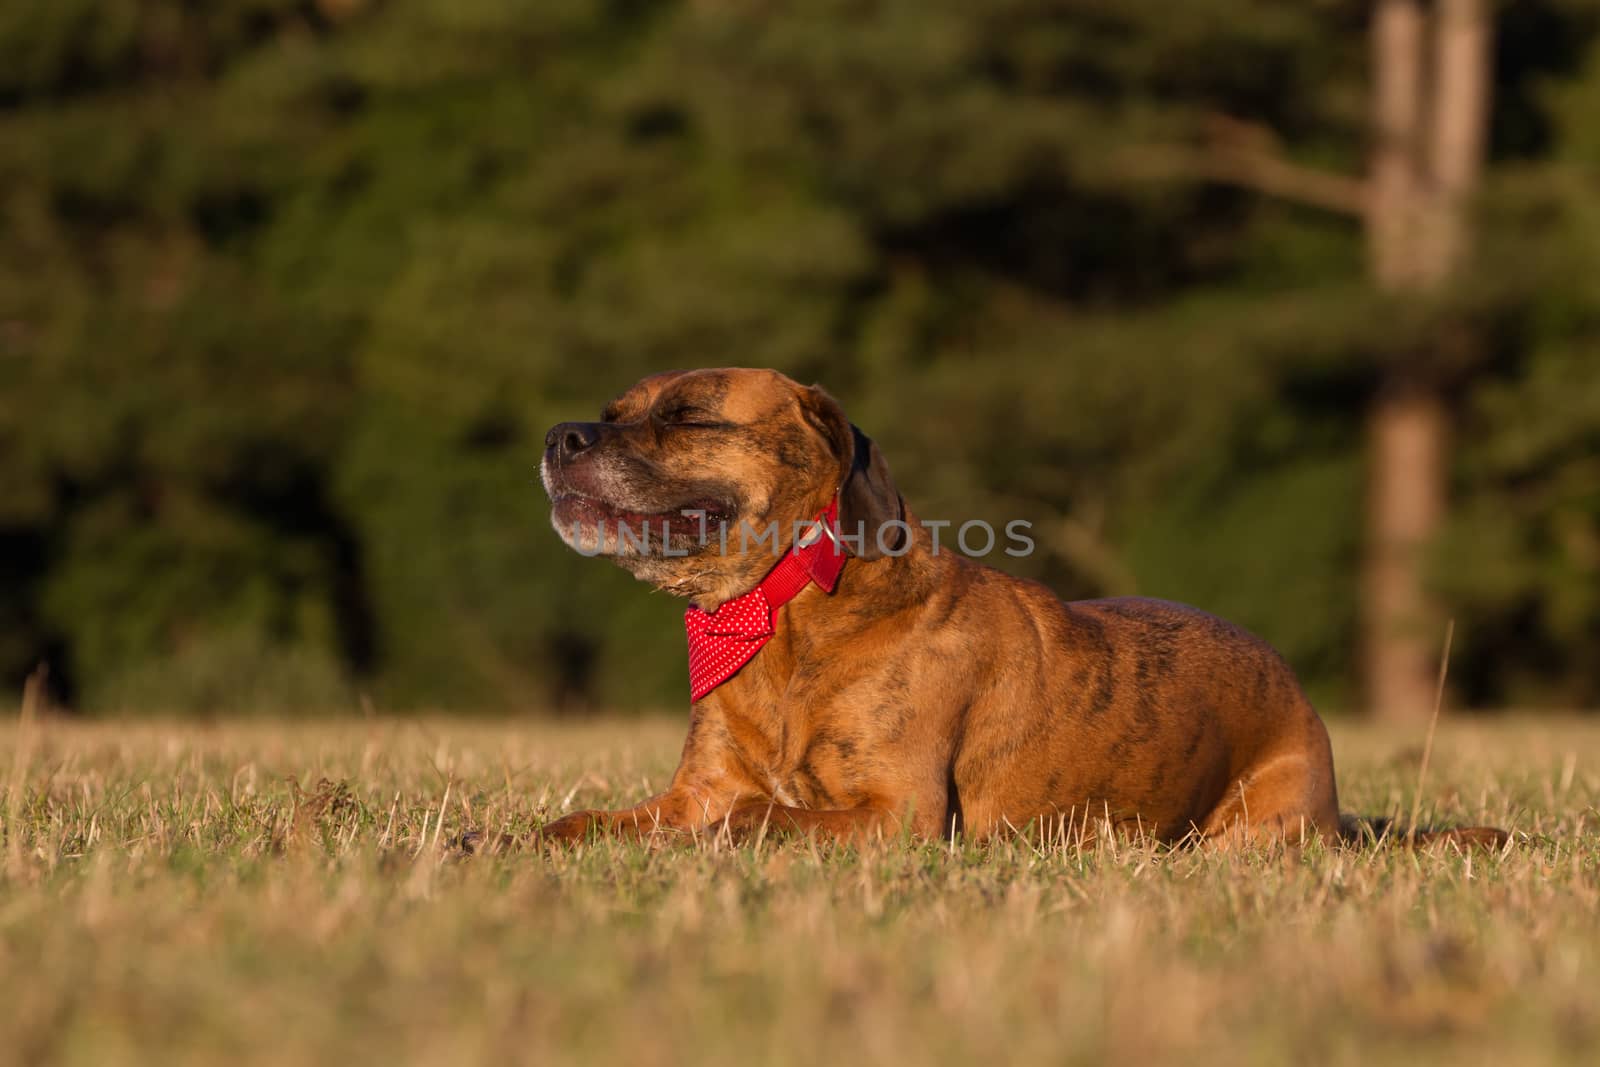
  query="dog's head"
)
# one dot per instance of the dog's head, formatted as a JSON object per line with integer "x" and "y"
{"x": 687, "y": 475}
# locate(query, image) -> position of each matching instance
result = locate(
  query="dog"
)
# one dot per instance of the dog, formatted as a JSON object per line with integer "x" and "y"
{"x": 853, "y": 679}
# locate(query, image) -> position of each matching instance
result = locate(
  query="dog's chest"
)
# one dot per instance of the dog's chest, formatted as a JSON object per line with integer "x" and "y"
{"x": 818, "y": 772}
{"x": 825, "y": 773}
{"x": 802, "y": 760}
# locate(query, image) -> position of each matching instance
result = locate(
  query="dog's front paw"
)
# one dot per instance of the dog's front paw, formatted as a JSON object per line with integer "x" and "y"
{"x": 746, "y": 822}
{"x": 569, "y": 829}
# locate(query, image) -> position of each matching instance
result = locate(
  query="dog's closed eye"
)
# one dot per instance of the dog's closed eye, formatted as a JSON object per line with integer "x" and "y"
{"x": 688, "y": 416}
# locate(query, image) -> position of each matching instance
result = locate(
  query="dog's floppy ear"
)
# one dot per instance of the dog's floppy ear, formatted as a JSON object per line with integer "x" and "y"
{"x": 868, "y": 498}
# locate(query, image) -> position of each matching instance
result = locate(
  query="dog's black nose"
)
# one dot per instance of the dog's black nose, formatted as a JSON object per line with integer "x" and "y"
{"x": 568, "y": 439}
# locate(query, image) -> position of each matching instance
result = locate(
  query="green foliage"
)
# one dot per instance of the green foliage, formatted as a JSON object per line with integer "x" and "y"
{"x": 290, "y": 290}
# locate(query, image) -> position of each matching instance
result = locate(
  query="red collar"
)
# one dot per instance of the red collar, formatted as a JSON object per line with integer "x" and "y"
{"x": 722, "y": 641}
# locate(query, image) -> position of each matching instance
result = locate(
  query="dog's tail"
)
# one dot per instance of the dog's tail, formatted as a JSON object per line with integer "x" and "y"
{"x": 1363, "y": 830}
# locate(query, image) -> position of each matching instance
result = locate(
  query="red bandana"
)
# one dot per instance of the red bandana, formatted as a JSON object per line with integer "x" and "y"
{"x": 722, "y": 641}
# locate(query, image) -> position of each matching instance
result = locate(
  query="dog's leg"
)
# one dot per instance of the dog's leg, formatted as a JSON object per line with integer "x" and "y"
{"x": 676, "y": 811}
{"x": 1289, "y": 798}
{"x": 709, "y": 783}
{"x": 839, "y": 824}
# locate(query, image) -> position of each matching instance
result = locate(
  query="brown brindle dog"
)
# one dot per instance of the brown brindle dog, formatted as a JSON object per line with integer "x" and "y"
{"x": 926, "y": 692}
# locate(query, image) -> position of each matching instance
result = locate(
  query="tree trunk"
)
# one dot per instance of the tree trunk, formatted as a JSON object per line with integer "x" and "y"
{"x": 1406, "y": 438}
{"x": 1421, "y": 180}
{"x": 1461, "y": 68}
{"x": 1397, "y": 40}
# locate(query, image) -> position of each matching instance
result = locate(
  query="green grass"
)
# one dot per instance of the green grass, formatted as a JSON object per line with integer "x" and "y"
{"x": 169, "y": 896}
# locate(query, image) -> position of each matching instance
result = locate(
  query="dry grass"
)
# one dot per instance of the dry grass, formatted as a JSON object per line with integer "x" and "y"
{"x": 170, "y": 896}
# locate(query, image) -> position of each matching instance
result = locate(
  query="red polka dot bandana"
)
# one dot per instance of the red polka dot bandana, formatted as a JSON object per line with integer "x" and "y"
{"x": 722, "y": 641}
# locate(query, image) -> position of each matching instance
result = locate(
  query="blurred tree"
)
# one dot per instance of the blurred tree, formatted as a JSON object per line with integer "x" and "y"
{"x": 1431, "y": 85}
{"x": 167, "y": 413}
{"x": 1520, "y": 555}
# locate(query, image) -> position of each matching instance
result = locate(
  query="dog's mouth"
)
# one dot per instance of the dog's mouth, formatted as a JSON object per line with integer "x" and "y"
{"x": 696, "y": 522}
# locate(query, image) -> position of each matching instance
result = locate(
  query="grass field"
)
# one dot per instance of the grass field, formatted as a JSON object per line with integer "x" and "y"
{"x": 192, "y": 894}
